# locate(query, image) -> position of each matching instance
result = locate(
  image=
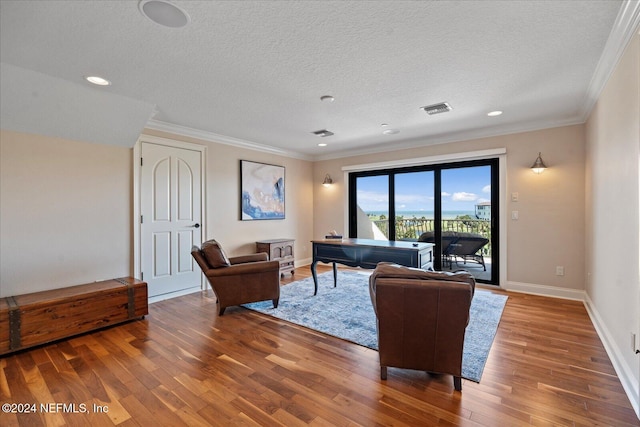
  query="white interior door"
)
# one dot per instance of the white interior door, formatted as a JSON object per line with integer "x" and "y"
{"x": 170, "y": 207}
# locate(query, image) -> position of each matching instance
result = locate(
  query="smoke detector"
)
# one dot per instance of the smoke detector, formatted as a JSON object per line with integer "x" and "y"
{"x": 442, "y": 107}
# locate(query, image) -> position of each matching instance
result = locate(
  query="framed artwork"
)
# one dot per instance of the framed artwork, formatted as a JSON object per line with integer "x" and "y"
{"x": 261, "y": 191}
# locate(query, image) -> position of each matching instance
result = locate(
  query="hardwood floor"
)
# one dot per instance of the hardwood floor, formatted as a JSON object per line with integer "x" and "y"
{"x": 184, "y": 365}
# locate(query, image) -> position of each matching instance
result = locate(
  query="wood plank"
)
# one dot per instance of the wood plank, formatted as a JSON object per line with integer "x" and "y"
{"x": 185, "y": 365}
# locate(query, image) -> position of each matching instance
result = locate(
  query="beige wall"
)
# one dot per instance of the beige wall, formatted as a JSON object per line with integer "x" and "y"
{"x": 550, "y": 231}
{"x": 223, "y": 187}
{"x": 613, "y": 254}
{"x": 67, "y": 209}
{"x": 65, "y": 212}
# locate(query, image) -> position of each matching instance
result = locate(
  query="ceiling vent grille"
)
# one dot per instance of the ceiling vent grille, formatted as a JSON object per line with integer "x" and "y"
{"x": 443, "y": 107}
{"x": 323, "y": 133}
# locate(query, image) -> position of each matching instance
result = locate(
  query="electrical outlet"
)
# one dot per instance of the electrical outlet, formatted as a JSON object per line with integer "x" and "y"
{"x": 559, "y": 270}
{"x": 515, "y": 215}
{"x": 514, "y": 197}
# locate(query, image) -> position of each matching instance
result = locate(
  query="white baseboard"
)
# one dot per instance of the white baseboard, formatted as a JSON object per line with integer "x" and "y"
{"x": 163, "y": 297}
{"x": 544, "y": 290}
{"x": 623, "y": 370}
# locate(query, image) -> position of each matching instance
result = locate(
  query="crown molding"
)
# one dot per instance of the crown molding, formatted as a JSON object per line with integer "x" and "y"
{"x": 220, "y": 139}
{"x": 624, "y": 28}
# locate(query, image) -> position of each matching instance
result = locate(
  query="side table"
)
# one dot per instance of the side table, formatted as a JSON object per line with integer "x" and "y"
{"x": 280, "y": 250}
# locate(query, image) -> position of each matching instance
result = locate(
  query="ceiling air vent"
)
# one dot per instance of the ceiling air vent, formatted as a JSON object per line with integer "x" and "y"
{"x": 443, "y": 107}
{"x": 323, "y": 133}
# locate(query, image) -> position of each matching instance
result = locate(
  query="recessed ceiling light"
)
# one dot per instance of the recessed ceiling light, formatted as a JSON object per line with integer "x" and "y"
{"x": 322, "y": 144}
{"x": 494, "y": 113}
{"x": 390, "y": 131}
{"x": 96, "y": 80}
{"x": 327, "y": 98}
{"x": 164, "y": 12}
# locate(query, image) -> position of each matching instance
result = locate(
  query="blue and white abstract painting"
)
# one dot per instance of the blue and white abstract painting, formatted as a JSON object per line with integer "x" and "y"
{"x": 262, "y": 187}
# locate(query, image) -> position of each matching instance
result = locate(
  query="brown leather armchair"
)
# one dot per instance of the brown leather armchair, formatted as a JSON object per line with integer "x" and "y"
{"x": 422, "y": 316}
{"x": 238, "y": 280}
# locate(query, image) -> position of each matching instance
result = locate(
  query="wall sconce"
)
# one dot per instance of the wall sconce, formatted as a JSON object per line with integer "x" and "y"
{"x": 327, "y": 180}
{"x": 538, "y": 166}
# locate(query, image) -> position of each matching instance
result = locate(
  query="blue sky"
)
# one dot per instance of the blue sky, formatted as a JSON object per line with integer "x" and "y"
{"x": 462, "y": 189}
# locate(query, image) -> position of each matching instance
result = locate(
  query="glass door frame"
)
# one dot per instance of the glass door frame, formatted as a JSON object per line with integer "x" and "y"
{"x": 437, "y": 168}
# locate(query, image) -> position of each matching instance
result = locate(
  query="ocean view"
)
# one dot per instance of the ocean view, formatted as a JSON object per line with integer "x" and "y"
{"x": 420, "y": 214}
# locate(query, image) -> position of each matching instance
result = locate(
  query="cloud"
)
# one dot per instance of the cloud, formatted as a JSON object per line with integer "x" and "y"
{"x": 464, "y": 197}
{"x": 412, "y": 199}
{"x": 372, "y": 200}
{"x": 486, "y": 189}
{"x": 445, "y": 194}
{"x": 372, "y": 196}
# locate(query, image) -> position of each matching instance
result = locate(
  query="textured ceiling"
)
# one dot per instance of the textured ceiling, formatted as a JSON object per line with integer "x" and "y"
{"x": 253, "y": 72}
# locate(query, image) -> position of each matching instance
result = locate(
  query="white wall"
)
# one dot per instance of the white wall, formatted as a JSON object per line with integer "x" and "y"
{"x": 612, "y": 206}
{"x": 65, "y": 212}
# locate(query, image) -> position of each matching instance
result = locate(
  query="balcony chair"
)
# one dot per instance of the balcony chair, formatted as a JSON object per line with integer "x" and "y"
{"x": 467, "y": 246}
{"x": 463, "y": 245}
{"x": 448, "y": 238}
{"x": 238, "y": 280}
{"x": 422, "y": 317}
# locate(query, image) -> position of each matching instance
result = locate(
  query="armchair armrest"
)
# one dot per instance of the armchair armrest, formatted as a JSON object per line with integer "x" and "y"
{"x": 244, "y": 268}
{"x": 262, "y": 256}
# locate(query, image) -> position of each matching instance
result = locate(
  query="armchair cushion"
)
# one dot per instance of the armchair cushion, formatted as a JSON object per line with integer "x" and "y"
{"x": 214, "y": 254}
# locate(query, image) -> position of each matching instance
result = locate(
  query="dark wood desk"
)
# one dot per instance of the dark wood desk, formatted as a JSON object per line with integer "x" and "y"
{"x": 367, "y": 253}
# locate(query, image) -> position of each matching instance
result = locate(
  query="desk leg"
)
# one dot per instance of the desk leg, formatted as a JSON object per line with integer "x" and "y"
{"x": 335, "y": 274}
{"x": 315, "y": 277}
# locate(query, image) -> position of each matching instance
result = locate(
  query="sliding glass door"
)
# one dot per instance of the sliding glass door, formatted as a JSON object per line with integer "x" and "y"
{"x": 466, "y": 220}
{"x": 451, "y": 205}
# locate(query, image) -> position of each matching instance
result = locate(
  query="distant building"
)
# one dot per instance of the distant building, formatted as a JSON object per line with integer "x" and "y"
{"x": 483, "y": 210}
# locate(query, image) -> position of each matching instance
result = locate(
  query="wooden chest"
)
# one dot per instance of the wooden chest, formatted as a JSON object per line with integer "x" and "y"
{"x": 280, "y": 250}
{"x": 41, "y": 317}
{"x": 4, "y": 326}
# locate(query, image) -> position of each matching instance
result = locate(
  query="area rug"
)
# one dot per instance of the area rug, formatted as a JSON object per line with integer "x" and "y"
{"x": 346, "y": 312}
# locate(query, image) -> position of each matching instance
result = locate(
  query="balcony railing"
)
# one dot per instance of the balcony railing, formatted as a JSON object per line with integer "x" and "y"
{"x": 412, "y": 228}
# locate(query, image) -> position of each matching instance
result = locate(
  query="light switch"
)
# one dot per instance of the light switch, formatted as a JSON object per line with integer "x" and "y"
{"x": 514, "y": 197}
{"x": 514, "y": 215}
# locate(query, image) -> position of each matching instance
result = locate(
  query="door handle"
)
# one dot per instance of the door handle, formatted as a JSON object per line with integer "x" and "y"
{"x": 196, "y": 225}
